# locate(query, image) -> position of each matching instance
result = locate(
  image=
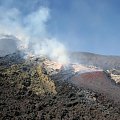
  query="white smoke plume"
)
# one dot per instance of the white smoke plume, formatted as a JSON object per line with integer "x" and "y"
{"x": 31, "y": 31}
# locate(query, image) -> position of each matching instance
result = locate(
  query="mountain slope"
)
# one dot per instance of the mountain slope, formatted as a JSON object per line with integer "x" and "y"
{"x": 28, "y": 92}
{"x": 102, "y": 61}
{"x": 8, "y": 45}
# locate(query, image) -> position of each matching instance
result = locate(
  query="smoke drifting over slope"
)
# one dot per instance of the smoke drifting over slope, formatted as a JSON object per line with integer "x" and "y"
{"x": 31, "y": 31}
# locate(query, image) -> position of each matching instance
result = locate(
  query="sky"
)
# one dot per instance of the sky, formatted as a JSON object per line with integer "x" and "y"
{"x": 81, "y": 25}
{"x": 88, "y": 25}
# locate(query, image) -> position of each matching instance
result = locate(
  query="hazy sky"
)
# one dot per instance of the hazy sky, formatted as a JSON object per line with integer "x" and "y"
{"x": 87, "y": 25}
{"x": 82, "y": 25}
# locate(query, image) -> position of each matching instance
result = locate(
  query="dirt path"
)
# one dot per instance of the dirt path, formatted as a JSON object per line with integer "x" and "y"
{"x": 98, "y": 81}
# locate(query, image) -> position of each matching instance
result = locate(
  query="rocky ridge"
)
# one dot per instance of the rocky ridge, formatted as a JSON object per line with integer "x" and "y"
{"x": 32, "y": 90}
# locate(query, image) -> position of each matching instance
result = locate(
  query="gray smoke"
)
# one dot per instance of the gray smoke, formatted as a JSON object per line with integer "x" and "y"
{"x": 30, "y": 29}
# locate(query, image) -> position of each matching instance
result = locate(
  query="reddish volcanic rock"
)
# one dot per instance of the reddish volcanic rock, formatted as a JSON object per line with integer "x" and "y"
{"x": 98, "y": 81}
{"x": 92, "y": 75}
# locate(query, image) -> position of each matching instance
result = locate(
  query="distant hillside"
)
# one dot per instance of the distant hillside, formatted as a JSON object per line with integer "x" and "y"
{"x": 102, "y": 61}
{"x": 8, "y": 45}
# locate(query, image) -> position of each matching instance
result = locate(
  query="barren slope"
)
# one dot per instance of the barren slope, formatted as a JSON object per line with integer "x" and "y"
{"x": 102, "y": 61}
{"x": 98, "y": 81}
{"x": 27, "y": 92}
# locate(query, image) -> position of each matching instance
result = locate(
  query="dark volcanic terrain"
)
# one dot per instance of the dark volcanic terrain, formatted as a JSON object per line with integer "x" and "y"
{"x": 30, "y": 90}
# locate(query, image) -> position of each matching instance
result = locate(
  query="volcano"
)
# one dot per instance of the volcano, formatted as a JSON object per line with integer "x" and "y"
{"x": 39, "y": 88}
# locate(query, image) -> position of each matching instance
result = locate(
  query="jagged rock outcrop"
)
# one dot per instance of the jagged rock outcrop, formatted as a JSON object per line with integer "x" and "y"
{"x": 114, "y": 74}
{"x": 27, "y": 74}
